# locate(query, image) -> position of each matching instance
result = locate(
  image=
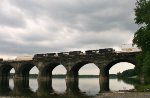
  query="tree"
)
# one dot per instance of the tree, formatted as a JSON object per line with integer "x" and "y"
{"x": 127, "y": 73}
{"x": 146, "y": 64}
{"x": 142, "y": 13}
{"x": 138, "y": 68}
{"x": 142, "y": 35}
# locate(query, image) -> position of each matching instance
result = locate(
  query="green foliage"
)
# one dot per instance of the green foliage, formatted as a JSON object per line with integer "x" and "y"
{"x": 142, "y": 38}
{"x": 140, "y": 64}
{"x": 142, "y": 12}
{"x": 146, "y": 64}
{"x": 142, "y": 35}
{"x": 127, "y": 73}
{"x": 142, "y": 88}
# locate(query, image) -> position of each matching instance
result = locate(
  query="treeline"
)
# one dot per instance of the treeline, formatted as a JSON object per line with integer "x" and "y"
{"x": 60, "y": 76}
{"x": 80, "y": 76}
{"x": 127, "y": 73}
{"x": 113, "y": 76}
{"x": 63, "y": 76}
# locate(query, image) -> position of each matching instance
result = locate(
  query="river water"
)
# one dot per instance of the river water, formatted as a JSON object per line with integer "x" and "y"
{"x": 85, "y": 86}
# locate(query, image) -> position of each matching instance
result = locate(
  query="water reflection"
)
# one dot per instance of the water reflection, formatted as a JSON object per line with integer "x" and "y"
{"x": 59, "y": 85}
{"x": 44, "y": 88}
{"x": 11, "y": 84}
{"x": 4, "y": 87}
{"x": 116, "y": 85}
{"x": 21, "y": 88}
{"x": 89, "y": 85}
{"x": 33, "y": 84}
{"x": 73, "y": 87}
{"x": 83, "y": 87}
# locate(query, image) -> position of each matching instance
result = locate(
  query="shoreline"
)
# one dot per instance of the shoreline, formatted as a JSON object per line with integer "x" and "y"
{"x": 123, "y": 95}
{"x": 101, "y": 95}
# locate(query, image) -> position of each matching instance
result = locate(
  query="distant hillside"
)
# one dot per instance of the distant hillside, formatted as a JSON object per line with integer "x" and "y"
{"x": 63, "y": 76}
{"x": 127, "y": 73}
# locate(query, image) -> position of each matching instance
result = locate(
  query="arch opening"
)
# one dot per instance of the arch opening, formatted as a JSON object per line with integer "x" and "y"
{"x": 33, "y": 74}
{"x": 58, "y": 81}
{"x": 59, "y": 70}
{"x": 119, "y": 68}
{"x": 89, "y": 79}
{"x": 89, "y": 69}
{"x": 75, "y": 69}
{"x": 111, "y": 64}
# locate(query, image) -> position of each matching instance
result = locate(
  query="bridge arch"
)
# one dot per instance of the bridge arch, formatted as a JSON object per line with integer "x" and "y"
{"x": 46, "y": 71}
{"x": 24, "y": 69}
{"x": 73, "y": 73}
{"x": 5, "y": 70}
{"x": 72, "y": 78}
{"x": 104, "y": 73}
{"x": 112, "y": 63}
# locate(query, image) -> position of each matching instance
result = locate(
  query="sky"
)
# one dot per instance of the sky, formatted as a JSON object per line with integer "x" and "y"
{"x": 28, "y": 27}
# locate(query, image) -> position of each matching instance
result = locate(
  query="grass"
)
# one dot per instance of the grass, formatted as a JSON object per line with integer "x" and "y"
{"x": 144, "y": 88}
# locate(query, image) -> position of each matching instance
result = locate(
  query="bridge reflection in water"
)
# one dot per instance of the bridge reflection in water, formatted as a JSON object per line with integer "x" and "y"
{"x": 45, "y": 89}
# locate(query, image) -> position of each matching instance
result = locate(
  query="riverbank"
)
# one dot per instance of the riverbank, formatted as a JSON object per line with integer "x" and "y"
{"x": 124, "y": 95}
{"x": 101, "y": 95}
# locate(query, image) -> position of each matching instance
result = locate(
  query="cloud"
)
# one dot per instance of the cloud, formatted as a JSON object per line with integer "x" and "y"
{"x": 83, "y": 15}
{"x": 31, "y": 26}
{"x": 10, "y": 16}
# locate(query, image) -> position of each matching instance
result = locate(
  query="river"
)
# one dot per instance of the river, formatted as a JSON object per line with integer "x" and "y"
{"x": 85, "y": 86}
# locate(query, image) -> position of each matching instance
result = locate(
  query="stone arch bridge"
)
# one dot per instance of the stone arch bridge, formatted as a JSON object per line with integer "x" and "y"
{"x": 104, "y": 59}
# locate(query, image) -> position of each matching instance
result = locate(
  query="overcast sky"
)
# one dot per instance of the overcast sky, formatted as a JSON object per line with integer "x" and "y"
{"x": 31, "y": 26}
{"x": 39, "y": 26}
